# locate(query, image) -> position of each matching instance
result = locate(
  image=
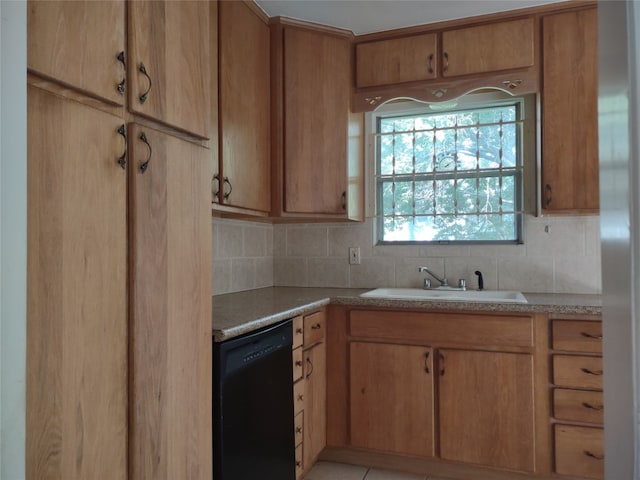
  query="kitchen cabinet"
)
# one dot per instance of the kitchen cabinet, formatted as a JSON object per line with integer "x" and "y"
{"x": 448, "y": 387}
{"x": 76, "y": 400}
{"x": 488, "y": 48}
{"x": 309, "y": 388}
{"x": 486, "y": 408}
{"x": 397, "y": 60}
{"x": 170, "y": 331}
{"x": 242, "y": 178}
{"x": 168, "y": 63}
{"x": 80, "y": 44}
{"x": 443, "y": 63}
{"x": 317, "y": 144}
{"x": 392, "y": 398}
{"x": 578, "y": 407}
{"x": 569, "y": 96}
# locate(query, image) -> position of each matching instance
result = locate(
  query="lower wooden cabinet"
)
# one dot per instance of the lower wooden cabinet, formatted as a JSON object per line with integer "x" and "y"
{"x": 170, "y": 344}
{"x": 309, "y": 358}
{"x": 392, "y": 398}
{"x": 76, "y": 392}
{"x": 579, "y": 451}
{"x": 486, "y": 408}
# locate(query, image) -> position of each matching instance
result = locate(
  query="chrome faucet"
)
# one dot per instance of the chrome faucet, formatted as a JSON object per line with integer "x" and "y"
{"x": 444, "y": 283}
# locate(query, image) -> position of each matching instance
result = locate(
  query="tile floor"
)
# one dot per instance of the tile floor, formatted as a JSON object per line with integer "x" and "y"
{"x": 341, "y": 471}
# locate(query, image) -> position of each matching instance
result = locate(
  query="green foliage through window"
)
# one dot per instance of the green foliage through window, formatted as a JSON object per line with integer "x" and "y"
{"x": 450, "y": 176}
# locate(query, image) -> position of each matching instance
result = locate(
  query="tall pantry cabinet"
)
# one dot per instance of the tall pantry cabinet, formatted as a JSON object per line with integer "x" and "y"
{"x": 119, "y": 312}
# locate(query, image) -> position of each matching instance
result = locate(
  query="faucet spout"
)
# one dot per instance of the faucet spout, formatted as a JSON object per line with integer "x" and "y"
{"x": 443, "y": 281}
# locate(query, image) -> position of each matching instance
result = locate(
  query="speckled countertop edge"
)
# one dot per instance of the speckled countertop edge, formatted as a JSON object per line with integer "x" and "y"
{"x": 235, "y": 314}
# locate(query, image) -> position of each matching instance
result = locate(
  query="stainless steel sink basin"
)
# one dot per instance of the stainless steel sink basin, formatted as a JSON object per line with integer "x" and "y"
{"x": 488, "y": 296}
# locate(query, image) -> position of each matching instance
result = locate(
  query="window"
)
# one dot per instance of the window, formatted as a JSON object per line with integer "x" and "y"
{"x": 450, "y": 176}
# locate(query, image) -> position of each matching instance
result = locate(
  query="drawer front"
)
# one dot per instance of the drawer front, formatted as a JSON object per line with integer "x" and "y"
{"x": 577, "y": 371}
{"x": 443, "y": 328}
{"x": 299, "y": 464}
{"x": 314, "y": 328}
{"x": 297, "y": 364}
{"x": 577, "y": 336}
{"x": 578, "y": 406}
{"x": 298, "y": 332}
{"x": 298, "y": 397}
{"x": 579, "y": 451}
{"x": 299, "y": 428}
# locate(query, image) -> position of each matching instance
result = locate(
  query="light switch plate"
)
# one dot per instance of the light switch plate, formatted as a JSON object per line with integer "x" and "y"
{"x": 354, "y": 255}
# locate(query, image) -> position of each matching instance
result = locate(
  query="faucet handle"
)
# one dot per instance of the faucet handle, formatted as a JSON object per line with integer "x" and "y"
{"x": 426, "y": 283}
{"x": 462, "y": 284}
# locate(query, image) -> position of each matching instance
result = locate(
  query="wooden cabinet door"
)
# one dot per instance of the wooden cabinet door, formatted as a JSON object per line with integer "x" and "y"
{"x": 170, "y": 333}
{"x": 388, "y": 62}
{"x": 78, "y": 43}
{"x": 315, "y": 403}
{"x": 316, "y": 115}
{"x": 488, "y": 48}
{"x": 77, "y": 292}
{"x": 570, "y": 112}
{"x": 486, "y": 408}
{"x": 168, "y": 64}
{"x": 391, "y": 398}
{"x": 244, "y": 101}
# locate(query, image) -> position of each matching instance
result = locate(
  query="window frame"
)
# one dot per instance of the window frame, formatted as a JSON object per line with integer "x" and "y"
{"x": 410, "y": 107}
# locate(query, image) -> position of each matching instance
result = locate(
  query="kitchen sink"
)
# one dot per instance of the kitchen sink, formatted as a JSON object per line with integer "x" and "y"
{"x": 489, "y": 296}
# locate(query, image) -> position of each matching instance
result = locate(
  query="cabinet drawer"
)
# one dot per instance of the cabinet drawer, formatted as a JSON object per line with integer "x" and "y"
{"x": 298, "y": 397}
{"x": 299, "y": 463}
{"x": 297, "y": 364}
{"x": 443, "y": 328}
{"x": 577, "y": 371}
{"x": 579, "y": 451}
{"x": 298, "y": 422}
{"x": 298, "y": 331}
{"x": 578, "y": 406}
{"x": 577, "y": 336}
{"x": 314, "y": 328}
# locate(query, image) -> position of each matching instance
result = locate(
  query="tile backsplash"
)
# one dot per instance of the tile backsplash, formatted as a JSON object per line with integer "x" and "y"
{"x": 560, "y": 255}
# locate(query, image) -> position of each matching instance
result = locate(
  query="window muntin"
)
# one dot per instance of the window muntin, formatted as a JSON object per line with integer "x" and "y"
{"x": 449, "y": 177}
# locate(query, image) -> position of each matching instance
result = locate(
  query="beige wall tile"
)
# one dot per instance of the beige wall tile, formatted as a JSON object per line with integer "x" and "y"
{"x": 592, "y": 236}
{"x": 444, "y": 251}
{"x": 230, "y": 240}
{"x": 255, "y": 241}
{"x": 578, "y": 275}
{"x": 306, "y": 241}
{"x": 221, "y": 273}
{"x": 290, "y": 272}
{"x": 279, "y": 240}
{"x": 527, "y": 274}
{"x": 243, "y": 274}
{"x": 564, "y": 237}
{"x": 264, "y": 272}
{"x": 328, "y": 272}
{"x": 352, "y": 235}
{"x": 373, "y": 272}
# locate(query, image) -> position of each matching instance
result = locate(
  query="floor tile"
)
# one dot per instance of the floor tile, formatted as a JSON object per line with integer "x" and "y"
{"x": 336, "y": 471}
{"x": 375, "y": 474}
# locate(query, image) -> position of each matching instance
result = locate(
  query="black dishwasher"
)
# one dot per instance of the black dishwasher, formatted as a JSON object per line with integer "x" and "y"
{"x": 253, "y": 435}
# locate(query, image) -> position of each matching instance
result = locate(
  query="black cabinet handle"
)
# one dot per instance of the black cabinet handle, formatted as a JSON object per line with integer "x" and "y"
{"x": 143, "y": 70}
{"x": 145, "y": 164}
{"x": 426, "y": 362}
{"x": 431, "y": 63}
{"x": 122, "y": 161}
{"x": 120, "y": 87}
{"x": 445, "y": 67}
{"x": 310, "y": 365}
{"x": 597, "y": 408}
{"x": 593, "y": 455}
{"x": 227, "y": 182}
{"x": 592, "y": 372}
{"x": 548, "y": 191}
{"x": 590, "y": 335}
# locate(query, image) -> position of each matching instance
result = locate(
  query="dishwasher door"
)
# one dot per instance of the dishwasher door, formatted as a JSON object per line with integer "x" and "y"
{"x": 253, "y": 431}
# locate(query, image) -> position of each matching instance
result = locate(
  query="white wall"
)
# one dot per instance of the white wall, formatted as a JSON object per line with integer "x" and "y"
{"x": 13, "y": 236}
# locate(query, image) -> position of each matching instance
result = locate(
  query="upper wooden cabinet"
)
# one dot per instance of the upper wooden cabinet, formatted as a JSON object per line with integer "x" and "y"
{"x": 570, "y": 112}
{"x": 488, "y": 48}
{"x": 317, "y": 144}
{"x": 242, "y": 178}
{"x": 397, "y": 60}
{"x": 81, "y": 44}
{"x": 168, "y": 63}
{"x": 442, "y": 64}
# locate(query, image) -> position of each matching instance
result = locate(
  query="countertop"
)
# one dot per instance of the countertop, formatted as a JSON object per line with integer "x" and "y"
{"x": 235, "y": 314}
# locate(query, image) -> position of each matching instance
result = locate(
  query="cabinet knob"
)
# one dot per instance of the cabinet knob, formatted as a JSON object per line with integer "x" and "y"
{"x": 298, "y": 363}
{"x": 298, "y": 429}
{"x": 316, "y": 326}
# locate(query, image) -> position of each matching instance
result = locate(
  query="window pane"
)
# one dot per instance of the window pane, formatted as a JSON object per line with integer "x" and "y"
{"x": 452, "y": 176}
